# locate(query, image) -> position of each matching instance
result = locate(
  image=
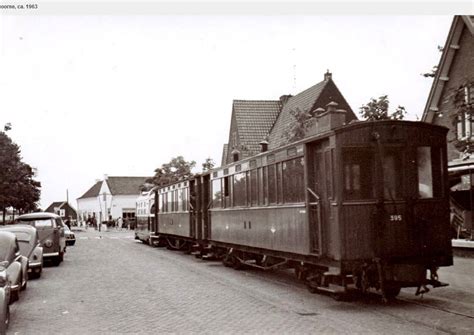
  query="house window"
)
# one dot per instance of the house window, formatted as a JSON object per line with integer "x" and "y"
{"x": 468, "y": 94}
{"x": 464, "y": 126}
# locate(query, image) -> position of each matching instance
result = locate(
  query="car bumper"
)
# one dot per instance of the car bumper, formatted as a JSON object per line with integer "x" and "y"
{"x": 51, "y": 254}
{"x": 34, "y": 265}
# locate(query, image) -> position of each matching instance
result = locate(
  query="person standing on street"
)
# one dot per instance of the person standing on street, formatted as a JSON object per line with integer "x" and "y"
{"x": 119, "y": 223}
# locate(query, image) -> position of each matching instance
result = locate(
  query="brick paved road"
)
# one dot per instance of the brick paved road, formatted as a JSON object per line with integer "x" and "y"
{"x": 115, "y": 285}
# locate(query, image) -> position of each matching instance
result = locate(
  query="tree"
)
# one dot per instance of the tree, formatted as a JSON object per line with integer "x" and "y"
{"x": 434, "y": 69}
{"x": 378, "y": 110}
{"x": 208, "y": 164}
{"x": 302, "y": 121}
{"x": 18, "y": 189}
{"x": 177, "y": 169}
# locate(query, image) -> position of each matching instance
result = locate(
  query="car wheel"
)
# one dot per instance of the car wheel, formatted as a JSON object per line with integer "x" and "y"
{"x": 14, "y": 296}
{"x": 56, "y": 261}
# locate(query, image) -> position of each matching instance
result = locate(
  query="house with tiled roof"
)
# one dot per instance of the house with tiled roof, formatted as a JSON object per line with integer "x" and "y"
{"x": 63, "y": 209}
{"x": 451, "y": 104}
{"x": 309, "y": 100}
{"x": 251, "y": 121}
{"x": 110, "y": 198}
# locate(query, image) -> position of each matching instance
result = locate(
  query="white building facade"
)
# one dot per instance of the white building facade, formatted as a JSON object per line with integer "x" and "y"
{"x": 110, "y": 198}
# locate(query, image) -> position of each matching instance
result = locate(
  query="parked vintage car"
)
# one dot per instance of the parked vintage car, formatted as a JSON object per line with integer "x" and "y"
{"x": 30, "y": 247}
{"x": 15, "y": 265}
{"x": 70, "y": 236}
{"x": 5, "y": 287}
{"x": 50, "y": 229}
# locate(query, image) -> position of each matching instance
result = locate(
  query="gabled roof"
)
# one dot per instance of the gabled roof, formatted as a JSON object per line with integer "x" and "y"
{"x": 307, "y": 100}
{"x": 93, "y": 191}
{"x": 125, "y": 185}
{"x": 447, "y": 57}
{"x": 57, "y": 204}
{"x": 254, "y": 120}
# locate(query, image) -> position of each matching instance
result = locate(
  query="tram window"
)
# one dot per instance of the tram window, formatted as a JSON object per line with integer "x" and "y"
{"x": 183, "y": 200}
{"x": 272, "y": 189}
{"x": 216, "y": 193}
{"x": 438, "y": 171}
{"x": 430, "y": 167}
{"x": 279, "y": 183}
{"x": 175, "y": 201}
{"x": 425, "y": 173}
{"x": 240, "y": 189}
{"x": 226, "y": 192}
{"x": 169, "y": 207}
{"x": 328, "y": 172}
{"x": 261, "y": 186}
{"x": 392, "y": 174}
{"x": 253, "y": 188}
{"x": 358, "y": 172}
{"x": 293, "y": 180}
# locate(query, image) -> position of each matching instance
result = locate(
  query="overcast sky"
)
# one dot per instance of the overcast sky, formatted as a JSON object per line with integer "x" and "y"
{"x": 121, "y": 95}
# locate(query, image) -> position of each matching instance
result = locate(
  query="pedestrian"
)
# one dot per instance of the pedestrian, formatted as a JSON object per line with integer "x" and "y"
{"x": 127, "y": 223}
{"x": 68, "y": 222}
{"x": 119, "y": 223}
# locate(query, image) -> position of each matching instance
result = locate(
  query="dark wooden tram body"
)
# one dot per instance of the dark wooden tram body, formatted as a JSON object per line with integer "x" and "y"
{"x": 364, "y": 204}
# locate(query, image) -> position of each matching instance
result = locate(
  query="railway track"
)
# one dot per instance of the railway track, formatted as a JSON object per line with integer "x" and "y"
{"x": 428, "y": 306}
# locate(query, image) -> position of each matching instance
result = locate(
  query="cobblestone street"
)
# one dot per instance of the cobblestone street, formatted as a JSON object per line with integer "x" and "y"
{"x": 109, "y": 283}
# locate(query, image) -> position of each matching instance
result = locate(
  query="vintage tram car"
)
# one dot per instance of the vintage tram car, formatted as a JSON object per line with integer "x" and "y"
{"x": 145, "y": 215}
{"x": 361, "y": 205}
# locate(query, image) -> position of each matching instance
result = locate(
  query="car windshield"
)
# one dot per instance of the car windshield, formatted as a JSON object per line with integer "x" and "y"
{"x": 38, "y": 223}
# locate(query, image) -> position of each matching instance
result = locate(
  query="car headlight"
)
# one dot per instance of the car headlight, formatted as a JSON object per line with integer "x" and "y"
{"x": 48, "y": 243}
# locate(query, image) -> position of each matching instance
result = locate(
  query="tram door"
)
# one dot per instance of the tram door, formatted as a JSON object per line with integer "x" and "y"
{"x": 154, "y": 211}
{"x": 319, "y": 175}
{"x": 205, "y": 203}
{"x": 193, "y": 212}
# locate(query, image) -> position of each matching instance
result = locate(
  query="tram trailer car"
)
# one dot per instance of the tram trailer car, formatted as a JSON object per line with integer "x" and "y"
{"x": 363, "y": 205}
{"x": 145, "y": 215}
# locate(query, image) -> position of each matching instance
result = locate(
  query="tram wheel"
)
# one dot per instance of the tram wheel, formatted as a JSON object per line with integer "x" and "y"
{"x": 392, "y": 292}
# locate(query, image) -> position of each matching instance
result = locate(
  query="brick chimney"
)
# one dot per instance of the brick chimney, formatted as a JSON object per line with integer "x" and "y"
{"x": 327, "y": 75}
{"x": 264, "y": 145}
{"x": 284, "y": 99}
{"x": 327, "y": 119}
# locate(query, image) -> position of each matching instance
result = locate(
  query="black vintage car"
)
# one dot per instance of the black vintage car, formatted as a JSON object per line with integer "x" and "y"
{"x": 50, "y": 229}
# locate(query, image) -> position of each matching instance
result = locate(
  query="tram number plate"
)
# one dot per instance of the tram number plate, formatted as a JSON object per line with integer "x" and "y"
{"x": 395, "y": 217}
